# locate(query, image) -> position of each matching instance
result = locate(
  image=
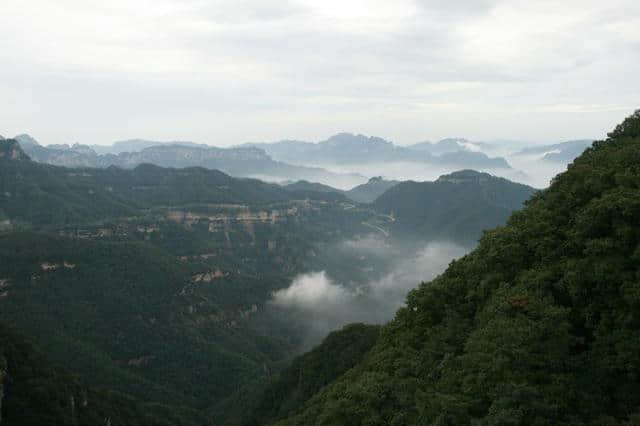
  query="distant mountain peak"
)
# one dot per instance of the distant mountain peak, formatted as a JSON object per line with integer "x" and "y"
{"x": 10, "y": 150}
{"x": 447, "y": 146}
{"x": 465, "y": 173}
{"x": 26, "y": 140}
{"x": 465, "y": 176}
{"x": 450, "y": 140}
{"x": 345, "y": 138}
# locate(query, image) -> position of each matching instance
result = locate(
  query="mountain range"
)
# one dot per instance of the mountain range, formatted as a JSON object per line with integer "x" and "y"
{"x": 148, "y": 289}
{"x": 240, "y": 162}
{"x": 145, "y": 295}
{"x": 280, "y": 161}
{"x": 347, "y": 148}
{"x": 343, "y": 161}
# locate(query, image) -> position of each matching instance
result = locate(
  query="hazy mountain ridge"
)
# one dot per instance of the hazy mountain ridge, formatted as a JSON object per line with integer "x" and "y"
{"x": 347, "y": 148}
{"x": 341, "y": 161}
{"x": 241, "y": 162}
{"x": 136, "y": 145}
{"x": 561, "y": 152}
{"x": 448, "y": 145}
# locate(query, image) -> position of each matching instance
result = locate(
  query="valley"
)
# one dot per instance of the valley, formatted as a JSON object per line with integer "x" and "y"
{"x": 319, "y": 213}
{"x": 194, "y": 297}
{"x": 181, "y": 287}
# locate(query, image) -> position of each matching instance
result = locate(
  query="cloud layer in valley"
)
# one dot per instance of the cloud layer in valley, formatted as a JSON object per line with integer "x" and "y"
{"x": 319, "y": 303}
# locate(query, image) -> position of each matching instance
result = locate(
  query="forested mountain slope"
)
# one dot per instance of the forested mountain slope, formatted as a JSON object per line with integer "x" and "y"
{"x": 129, "y": 317}
{"x": 538, "y": 325}
{"x": 368, "y": 192}
{"x": 456, "y": 206}
{"x": 365, "y": 193}
{"x": 268, "y": 401}
{"x": 43, "y": 195}
{"x": 154, "y": 282}
{"x": 35, "y": 392}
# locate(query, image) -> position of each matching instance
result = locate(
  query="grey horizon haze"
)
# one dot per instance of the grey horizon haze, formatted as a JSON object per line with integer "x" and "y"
{"x": 225, "y": 72}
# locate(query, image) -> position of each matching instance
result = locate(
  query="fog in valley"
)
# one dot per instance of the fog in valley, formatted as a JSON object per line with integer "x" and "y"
{"x": 362, "y": 280}
{"x": 535, "y": 172}
{"x": 530, "y": 170}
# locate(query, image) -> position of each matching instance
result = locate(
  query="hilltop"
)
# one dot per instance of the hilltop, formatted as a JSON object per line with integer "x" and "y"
{"x": 459, "y": 205}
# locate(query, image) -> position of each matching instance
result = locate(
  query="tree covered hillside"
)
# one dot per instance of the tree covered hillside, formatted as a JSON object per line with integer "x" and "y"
{"x": 368, "y": 192}
{"x": 275, "y": 399}
{"x": 539, "y": 325}
{"x": 456, "y": 206}
{"x": 153, "y": 282}
{"x": 43, "y": 195}
{"x": 129, "y": 317}
{"x": 35, "y": 392}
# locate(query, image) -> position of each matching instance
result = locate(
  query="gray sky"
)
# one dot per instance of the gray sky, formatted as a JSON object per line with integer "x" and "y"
{"x": 225, "y": 72}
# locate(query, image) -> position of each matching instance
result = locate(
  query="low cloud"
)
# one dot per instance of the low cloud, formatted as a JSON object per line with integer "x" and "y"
{"x": 319, "y": 302}
{"x": 308, "y": 291}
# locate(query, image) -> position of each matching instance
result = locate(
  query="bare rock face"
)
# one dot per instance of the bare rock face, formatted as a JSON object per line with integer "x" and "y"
{"x": 4, "y": 292}
{"x": 137, "y": 362}
{"x": 208, "y": 276}
{"x": 49, "y": 266}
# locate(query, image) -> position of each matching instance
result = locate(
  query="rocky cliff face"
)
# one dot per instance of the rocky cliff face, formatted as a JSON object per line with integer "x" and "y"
{"x": 183, "y": 156}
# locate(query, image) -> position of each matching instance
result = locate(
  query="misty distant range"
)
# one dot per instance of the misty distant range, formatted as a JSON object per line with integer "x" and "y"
{"x": 343, "y": 161}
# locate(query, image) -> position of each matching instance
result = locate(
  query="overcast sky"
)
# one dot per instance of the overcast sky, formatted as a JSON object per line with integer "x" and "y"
{"x": 224, "y": 72}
